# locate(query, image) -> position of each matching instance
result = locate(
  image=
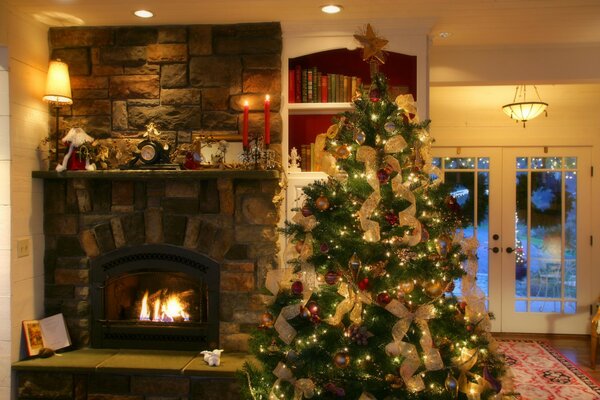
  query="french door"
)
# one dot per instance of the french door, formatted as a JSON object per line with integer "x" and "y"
{"x": 529, "y": 209}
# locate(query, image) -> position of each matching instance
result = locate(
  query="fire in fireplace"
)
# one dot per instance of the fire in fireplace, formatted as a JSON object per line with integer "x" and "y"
{"x": 155, "y": 297}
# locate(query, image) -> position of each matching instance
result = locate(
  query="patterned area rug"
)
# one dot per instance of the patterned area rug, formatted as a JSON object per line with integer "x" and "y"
{"x": 542, "y": 373}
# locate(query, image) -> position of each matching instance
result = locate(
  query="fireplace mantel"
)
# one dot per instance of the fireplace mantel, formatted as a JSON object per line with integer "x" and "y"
{"x": 201, "y": 174}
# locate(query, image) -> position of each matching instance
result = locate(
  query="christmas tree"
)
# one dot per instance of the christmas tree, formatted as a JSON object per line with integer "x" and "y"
{"x": 369, "y": 311}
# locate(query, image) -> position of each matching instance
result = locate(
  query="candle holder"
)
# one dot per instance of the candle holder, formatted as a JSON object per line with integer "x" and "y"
{"x": 258, "y": 156}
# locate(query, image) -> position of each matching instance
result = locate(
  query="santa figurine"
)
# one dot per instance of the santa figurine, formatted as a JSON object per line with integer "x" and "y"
{"x": 74, "y": 159}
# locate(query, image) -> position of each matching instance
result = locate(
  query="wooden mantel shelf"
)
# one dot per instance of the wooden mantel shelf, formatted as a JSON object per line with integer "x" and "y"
{"x": 200, "y": 174}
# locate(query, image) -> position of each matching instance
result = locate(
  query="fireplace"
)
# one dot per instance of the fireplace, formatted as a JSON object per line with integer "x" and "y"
{"x": 155, "y": 296}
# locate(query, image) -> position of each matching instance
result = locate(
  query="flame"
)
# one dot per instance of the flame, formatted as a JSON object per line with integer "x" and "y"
{"x": 165, "y": 308}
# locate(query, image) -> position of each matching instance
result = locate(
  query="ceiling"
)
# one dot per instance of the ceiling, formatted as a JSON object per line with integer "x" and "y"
{"x": 469, "y": 22}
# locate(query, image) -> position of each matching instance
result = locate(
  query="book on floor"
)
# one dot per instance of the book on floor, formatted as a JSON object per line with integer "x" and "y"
{"x": 50, "y": 333}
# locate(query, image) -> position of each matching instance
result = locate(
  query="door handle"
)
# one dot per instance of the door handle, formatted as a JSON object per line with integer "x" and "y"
{"x": 509, "y": 250}
{"x": 495, "y": 249}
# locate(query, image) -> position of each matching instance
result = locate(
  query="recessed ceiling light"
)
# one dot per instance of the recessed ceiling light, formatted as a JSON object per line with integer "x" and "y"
{"x": 444, "y": 35}
{"x": 144, "y": 14}
{"x": 331, "y": 9}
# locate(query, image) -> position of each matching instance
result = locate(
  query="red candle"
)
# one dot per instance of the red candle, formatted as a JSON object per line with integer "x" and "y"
{"x": 267, "y": 120}
{"x": 245, "y": 126}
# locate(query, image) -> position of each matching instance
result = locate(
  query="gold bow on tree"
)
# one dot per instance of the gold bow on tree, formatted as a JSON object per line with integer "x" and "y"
{"x": 352, "y": 304}
{"x": 431, "y": 356}
{"x": 303, "y": 388}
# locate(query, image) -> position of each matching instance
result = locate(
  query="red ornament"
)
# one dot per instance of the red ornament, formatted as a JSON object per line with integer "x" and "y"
{"x": 313, "y": 307}
{"x": 297, "y": 287}
{"x": 306, "y": 212}
{"x": 391, "y": 218}
{"x": 424, "y": 234}
{"x": 384, "y": 298}
{"x": 315, "y": 319}
{"x": 331, "y": 277}
{"x": 450, "y": 287}
{"x": 383, "y": 175}
{"x": 299, "y": 245}
{"x": 452, "y": 204}
{"x": 324, "y": 248}
{"x": 374, "y": 95}
{"x": 267, "y": 320}
{"x": 364, "y": 284}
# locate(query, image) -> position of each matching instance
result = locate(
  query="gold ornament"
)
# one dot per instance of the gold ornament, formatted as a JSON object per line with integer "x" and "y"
{"x": 442, "y": 245}
{"x": 267, "y": 320}
{"x": 332, "y": 131}
{"x": 341, "y": 359}
{"x": 433, "y": 289}
{"x": 407, "y": 287}
{"x": 359, "y": 137}
{"x": 322, "y": 203}
{"x": 342, "y": 152}
{"x": 372, "y": 45}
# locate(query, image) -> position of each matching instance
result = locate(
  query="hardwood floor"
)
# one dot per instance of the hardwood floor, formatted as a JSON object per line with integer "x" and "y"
{"x": 575, "y": 347}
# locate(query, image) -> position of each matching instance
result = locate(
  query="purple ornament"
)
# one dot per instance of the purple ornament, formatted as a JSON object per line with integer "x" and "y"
{"x": 331, "y": 277}
{"x": 324, "y": 248}
{"x": 391, "y": 218}
{"x": 383, "y": 175}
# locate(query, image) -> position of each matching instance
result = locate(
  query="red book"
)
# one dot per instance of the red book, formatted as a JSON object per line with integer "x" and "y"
{"x": 324, "y": 87}
{"x": 298, "y": 91}
{"x": 292, "y": 86}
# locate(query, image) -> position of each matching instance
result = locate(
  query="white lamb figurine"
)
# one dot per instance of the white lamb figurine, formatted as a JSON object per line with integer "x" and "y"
{"x": 76, "y": 137}
{"x": 212, "y": 358}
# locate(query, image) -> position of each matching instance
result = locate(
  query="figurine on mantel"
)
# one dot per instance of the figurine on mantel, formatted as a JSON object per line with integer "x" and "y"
{"x": 77, "y": 157}
{"x": 212, "y": 358}
{"x": 294, "y": 161}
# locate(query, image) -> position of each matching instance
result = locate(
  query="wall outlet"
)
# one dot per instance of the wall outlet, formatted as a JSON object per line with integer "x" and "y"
{"x": 22, "y": 247}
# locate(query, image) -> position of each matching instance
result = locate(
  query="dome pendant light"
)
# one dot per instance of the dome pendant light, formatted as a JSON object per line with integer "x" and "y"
{"x": 523, "y": 110}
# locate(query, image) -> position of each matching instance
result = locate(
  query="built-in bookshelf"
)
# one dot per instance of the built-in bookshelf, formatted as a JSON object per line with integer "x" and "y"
{"x": 321, "y": 85}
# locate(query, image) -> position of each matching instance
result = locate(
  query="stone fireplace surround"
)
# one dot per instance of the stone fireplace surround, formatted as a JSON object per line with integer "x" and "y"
{"x": 226, "y": 216}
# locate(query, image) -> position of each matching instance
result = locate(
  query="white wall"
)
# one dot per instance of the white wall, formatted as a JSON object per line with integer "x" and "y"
{"x": 23, "y": 65}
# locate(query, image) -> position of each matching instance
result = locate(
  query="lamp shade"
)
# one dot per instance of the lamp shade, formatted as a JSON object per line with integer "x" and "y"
{"x": 523, "y": 110}
{"x": 58, "y": 85}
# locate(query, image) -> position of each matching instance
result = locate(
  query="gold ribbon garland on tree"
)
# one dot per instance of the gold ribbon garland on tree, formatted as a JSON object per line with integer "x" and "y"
{"x": 412, "y": 362}
{"x": 352, "y": 304}
{"x": 303, "y": 388}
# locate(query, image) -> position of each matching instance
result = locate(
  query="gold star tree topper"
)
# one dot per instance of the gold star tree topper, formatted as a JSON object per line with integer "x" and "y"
{"x": 372, "y": 45}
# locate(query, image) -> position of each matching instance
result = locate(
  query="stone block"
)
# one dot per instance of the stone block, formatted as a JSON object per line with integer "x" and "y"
{"x": 174, "y": 227}
{"x": 180, "y": 96}
{"x": 200, "y": 40}
{"x": 181, "y": 189}
{"x": 78, "y": 277}
{"x": 255, "y": 233}
{"x": 145, "y": 69}
{"x": 122, "y": 193}
{"x": 206, "y": 237}
{"x": 82, "y": 292}
{"x": 216, "y": 71}
{"x": 75, "y": 308}
{"x": 83, "y": 200}
{"x": 57, "y": 224}
{"x": 167, "y": 53}
{"x": 256, "y": 122}
{"x": 236, "y": 342}
{"x": 166, "y": 117}
{"x": 89, "y": 93}
{"x": 73, "y": 262}
{"x": 104, "y": 238}
{"x": 91, "y": 107}
{"x": 227, "y": 328}
{"x": 106, "y": 70}
{"x": 226, "y": 196}
{"x": 259, "y": 210}
{"x": 136, "y": 35}
{"x": 219, "y": 120}
{"x": 216, "y": 99}
{"x": 160, "y": 385}
{"x": 134, "y": 228}
{"x": 143, "y": 103}
{"x": 123, "y": 55}
{"x": 153, "y": 223}
{"x": 231, "y": 302}
{"x": 235, "y": 267}
{"x": 237, "y": 282}
{"x": 97, "y": 126}
{"x": 240, "y": 44}
{"x": 119, "y": 115}
{"x": 89, "y": 82}
{"x": 173, "y": 75}
{"x": 139, "y": 196}
{"x": 59, "y": 291}
{"x": 224, "y": 239}
{"x": 78, "y": 60}
{"x": 80, "y": 37}
{"x": 259, "y": 302}
{"x": 237, "y": 252}
{"x": 256, "y": 103}
{"x": 134, "y": 86}
{"x": 209, "y": 197}
{"x": 262, "y": 81}
{"x": 204, "y": 389}
{"x": 54, "y": 196}
{"x": 262, "y": 61}
{"x": 118, "y": 233}
{"x": 68, "y": 246}
{"x": 109, "y": 383}
{"x": 98, "y": 396}
{"x": 172, "y": 34}
{"x": 155, "y": 191}
{"x": 247, "y": 317}
{"x": 44, "y": 385}
{"x": 88, "y": 243}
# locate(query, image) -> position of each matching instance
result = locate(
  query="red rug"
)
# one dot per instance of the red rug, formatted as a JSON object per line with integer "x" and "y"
{"x": 542, "y": 373}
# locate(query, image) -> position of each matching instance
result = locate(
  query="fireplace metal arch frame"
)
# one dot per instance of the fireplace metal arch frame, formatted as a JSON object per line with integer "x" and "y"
{"x": 156, "y": 257}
